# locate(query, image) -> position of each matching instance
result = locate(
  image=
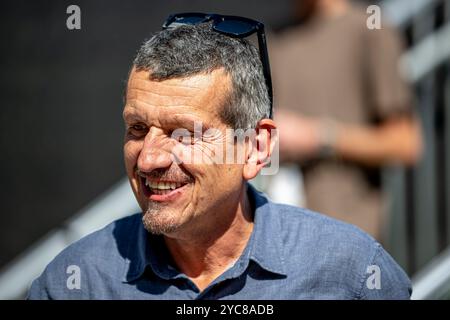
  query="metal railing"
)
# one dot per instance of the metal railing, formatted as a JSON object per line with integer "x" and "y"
{"x": 433, "y": 281}
{"x": 421, "y": 212}
{"x": 420, "y": 230}
{"x": 17, "y": 276}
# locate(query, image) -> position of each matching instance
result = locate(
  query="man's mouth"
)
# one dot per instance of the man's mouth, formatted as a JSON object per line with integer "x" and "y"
{"x": 161, "y": 190}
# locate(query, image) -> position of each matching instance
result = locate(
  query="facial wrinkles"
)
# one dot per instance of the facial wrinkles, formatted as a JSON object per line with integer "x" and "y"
{"x": 173, "y": 116}
{"x": 168, "y": 116}
{"x": 173, "y": 104}
{"x": 188, "y": 94}
{"x": 211, "y": 147}
{"x": 171, "y": 92}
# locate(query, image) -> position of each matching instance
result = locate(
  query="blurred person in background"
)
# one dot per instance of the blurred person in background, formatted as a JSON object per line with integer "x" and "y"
{"x": 344, "y": 110}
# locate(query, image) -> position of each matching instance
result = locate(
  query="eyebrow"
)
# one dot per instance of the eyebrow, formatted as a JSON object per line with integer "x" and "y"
{"x": 185, "y": 121}
{"x": 130, "y": 113}
{"x": 172, "y": 121}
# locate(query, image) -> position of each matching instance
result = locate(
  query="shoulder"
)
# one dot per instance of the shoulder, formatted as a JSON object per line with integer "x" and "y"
{"x": 339, "y": 252}
{"x": 307, "y": 227}
{"x": 99, "y": 254}
{"x": 102, "y": 244}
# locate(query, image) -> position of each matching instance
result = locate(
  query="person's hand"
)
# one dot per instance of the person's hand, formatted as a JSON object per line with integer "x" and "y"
{"x": 300, "y": 137}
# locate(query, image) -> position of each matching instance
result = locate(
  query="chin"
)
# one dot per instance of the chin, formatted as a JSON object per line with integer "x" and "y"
{"x": 159, "y": 221}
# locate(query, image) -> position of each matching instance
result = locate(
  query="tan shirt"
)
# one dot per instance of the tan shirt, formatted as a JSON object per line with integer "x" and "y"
{"x": 338, "y": 68}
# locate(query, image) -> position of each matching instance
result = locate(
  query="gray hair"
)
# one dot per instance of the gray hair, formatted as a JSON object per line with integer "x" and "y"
{"x": 192, "y": 49}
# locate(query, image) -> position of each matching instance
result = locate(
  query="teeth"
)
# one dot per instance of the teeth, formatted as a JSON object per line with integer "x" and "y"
{"x": 162, "y": 185}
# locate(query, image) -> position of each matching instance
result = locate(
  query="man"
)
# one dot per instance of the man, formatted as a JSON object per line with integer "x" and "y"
{"x": 340, "y": 91}
{"x": 204, "y": 232}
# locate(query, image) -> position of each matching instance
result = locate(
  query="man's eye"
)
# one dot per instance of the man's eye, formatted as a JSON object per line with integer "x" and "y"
{"x": 138, "y": 130}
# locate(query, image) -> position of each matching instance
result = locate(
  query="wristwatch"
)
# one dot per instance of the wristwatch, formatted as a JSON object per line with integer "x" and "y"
{"x": 327, "y": 138}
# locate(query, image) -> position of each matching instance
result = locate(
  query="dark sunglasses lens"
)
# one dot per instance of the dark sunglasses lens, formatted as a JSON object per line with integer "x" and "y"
{"x": 193, "y": 19}
{"x": 235, "y": 27}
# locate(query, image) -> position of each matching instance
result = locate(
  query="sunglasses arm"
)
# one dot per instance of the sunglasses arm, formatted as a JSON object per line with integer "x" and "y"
{"x": 264, "y": 55}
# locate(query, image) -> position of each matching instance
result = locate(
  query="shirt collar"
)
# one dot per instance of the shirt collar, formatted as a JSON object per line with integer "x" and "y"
{"x": 264, "y": 247}
{"x": 146, "y": 249}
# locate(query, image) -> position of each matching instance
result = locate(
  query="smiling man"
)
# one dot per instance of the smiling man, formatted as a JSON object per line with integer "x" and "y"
{"x": 204, "y": 232}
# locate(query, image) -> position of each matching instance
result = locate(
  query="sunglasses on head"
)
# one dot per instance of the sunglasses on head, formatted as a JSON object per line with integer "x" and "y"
{"x": 232, "y": 26}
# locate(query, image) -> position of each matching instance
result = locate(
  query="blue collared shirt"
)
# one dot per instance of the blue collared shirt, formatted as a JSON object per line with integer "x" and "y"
{"x": 292, "y": 253}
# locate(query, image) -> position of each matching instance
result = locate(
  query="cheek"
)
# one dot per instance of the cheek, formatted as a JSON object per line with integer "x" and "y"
{"x": 217, "y": 177}
{"x": 232, "y": 173}
{"x": 222, "y": 184}
{"x": 131, "y": 151}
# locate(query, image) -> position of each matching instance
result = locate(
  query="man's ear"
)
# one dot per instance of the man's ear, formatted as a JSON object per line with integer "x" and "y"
{"x": 260, "y": 148}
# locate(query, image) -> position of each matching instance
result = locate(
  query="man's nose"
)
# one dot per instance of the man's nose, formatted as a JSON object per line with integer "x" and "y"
{"x": 156, "y": 152}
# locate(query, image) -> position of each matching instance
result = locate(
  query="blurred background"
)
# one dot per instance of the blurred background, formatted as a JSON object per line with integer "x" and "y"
{"x": 62, "y": 173}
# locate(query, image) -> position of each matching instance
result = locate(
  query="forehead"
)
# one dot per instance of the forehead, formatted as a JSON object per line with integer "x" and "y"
{"x": 197, "y": 96}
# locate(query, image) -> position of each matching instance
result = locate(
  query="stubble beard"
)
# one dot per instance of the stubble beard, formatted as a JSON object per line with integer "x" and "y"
{"x": 158, "y": 220}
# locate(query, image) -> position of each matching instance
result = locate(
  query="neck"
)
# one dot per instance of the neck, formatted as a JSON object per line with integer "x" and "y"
{"x": 206, "y": 254}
